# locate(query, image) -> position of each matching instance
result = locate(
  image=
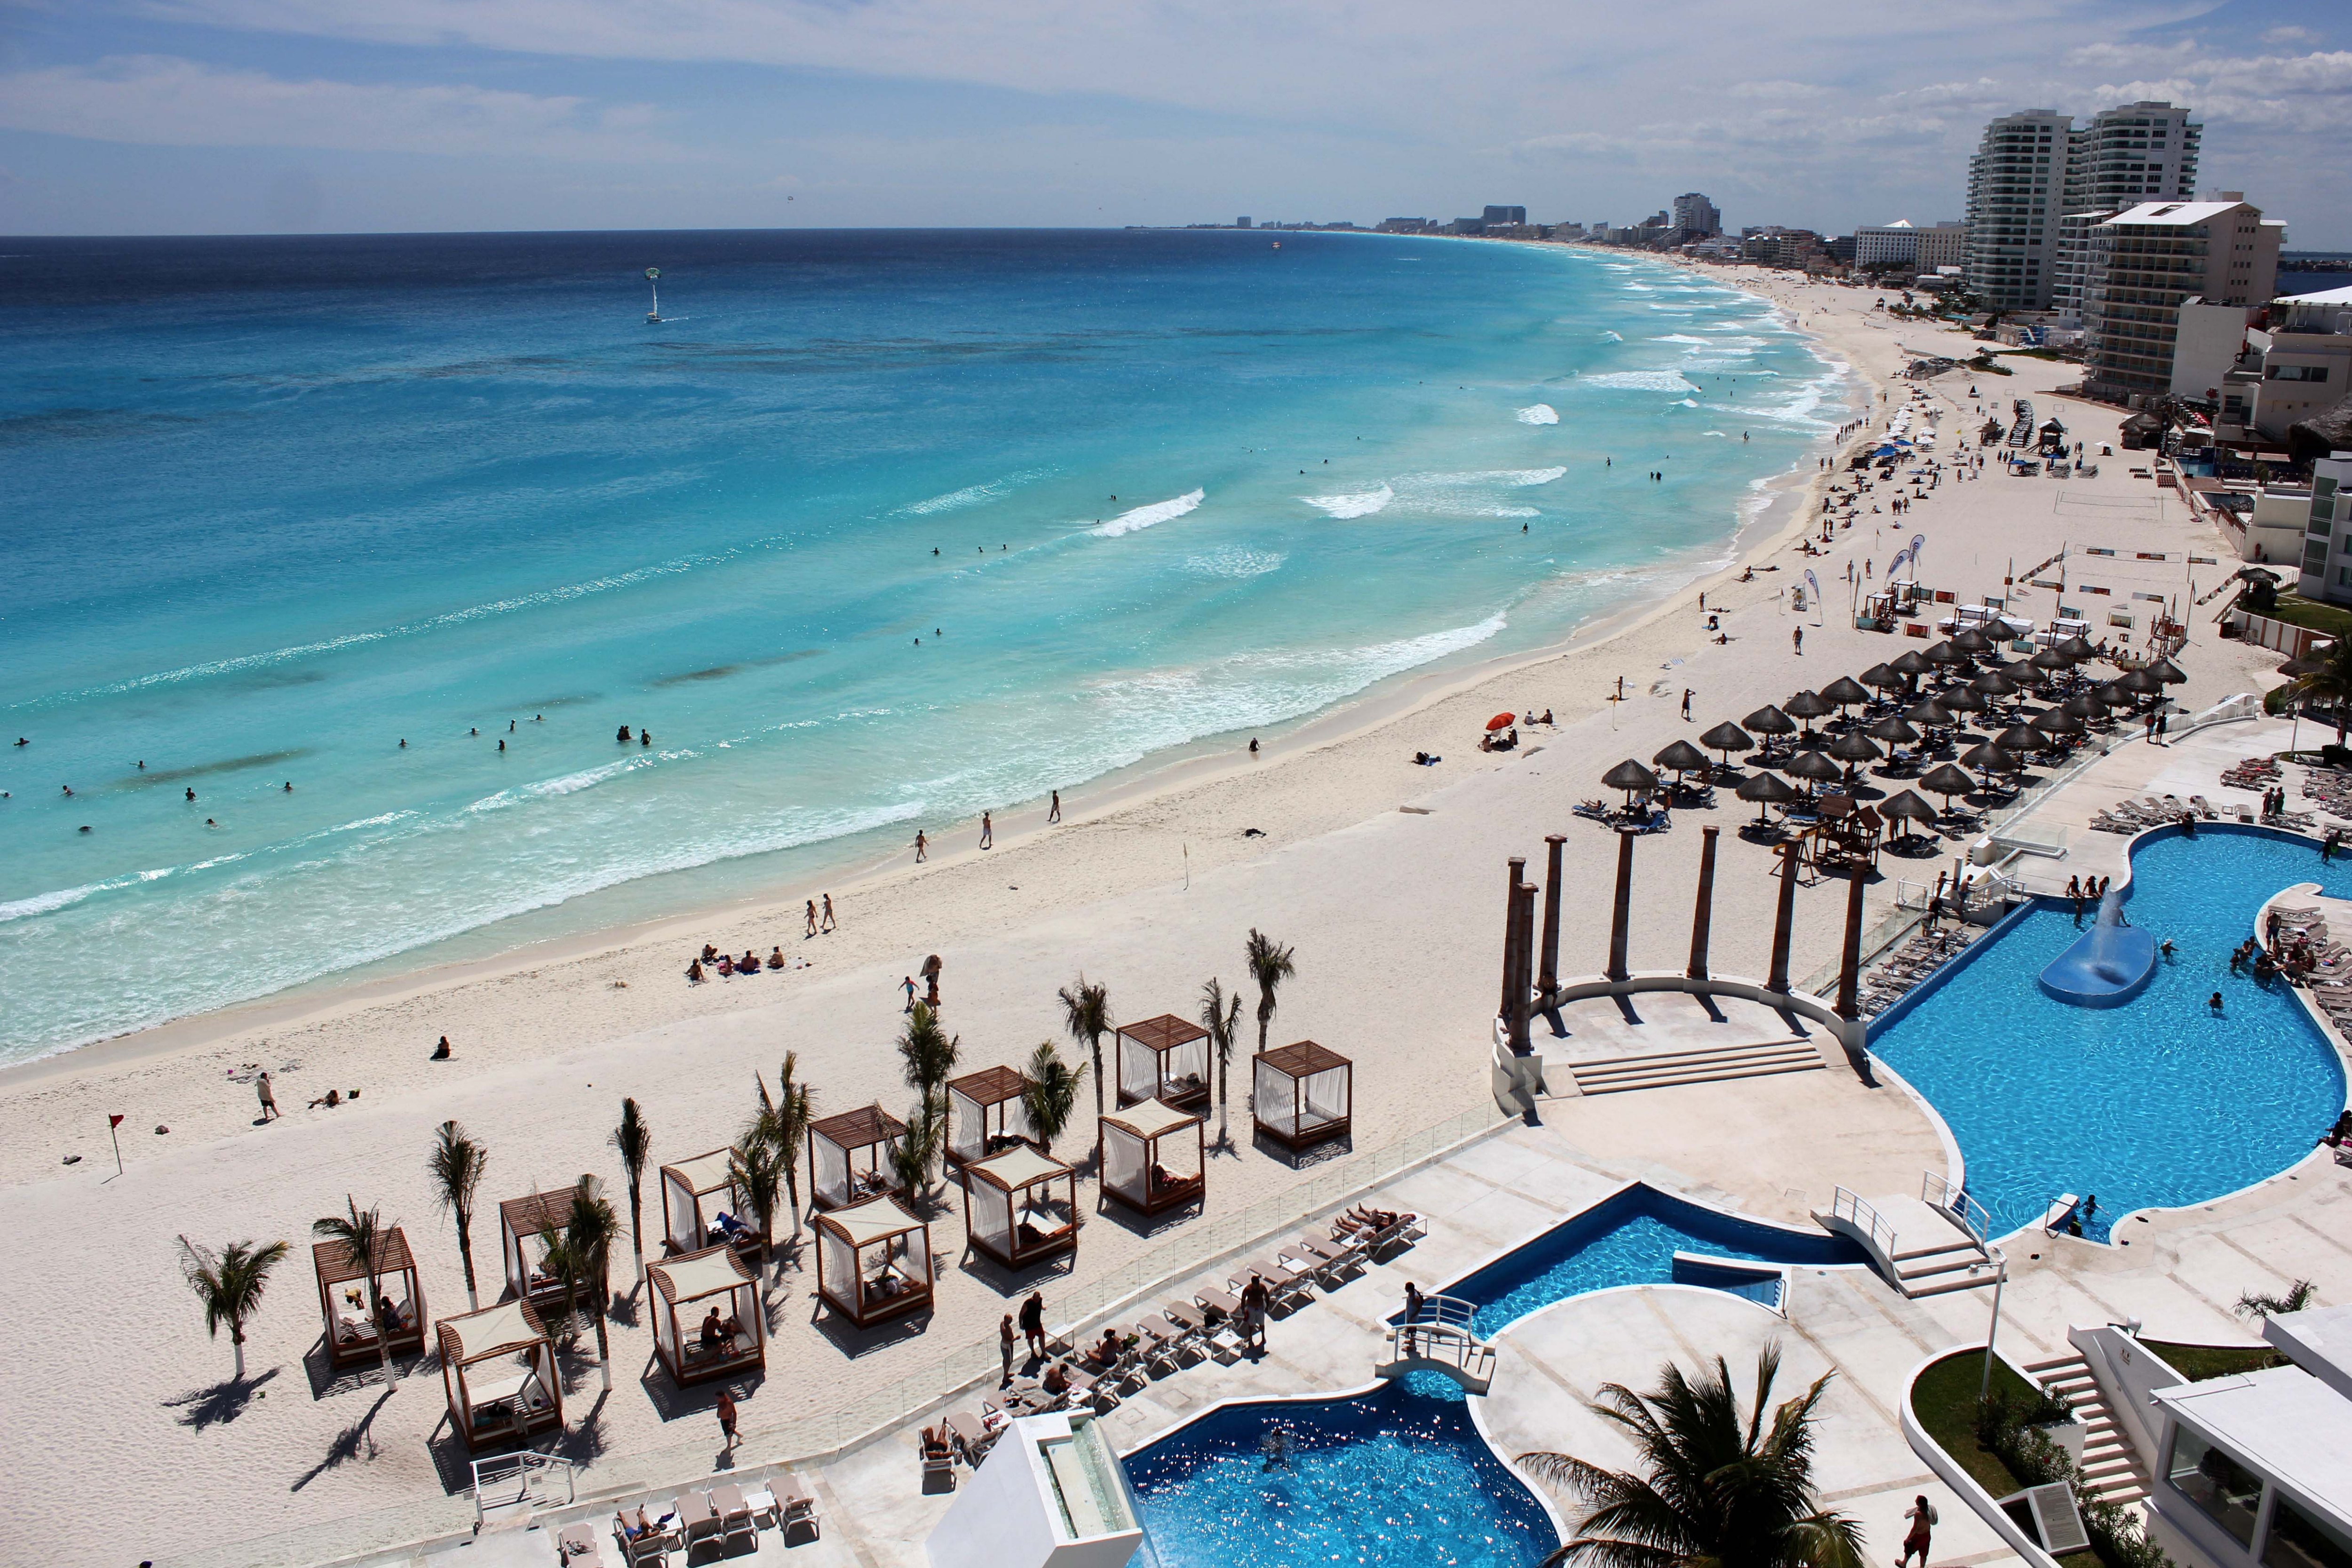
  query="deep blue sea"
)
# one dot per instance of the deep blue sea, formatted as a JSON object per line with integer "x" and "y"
{"x": 874, "y": 531}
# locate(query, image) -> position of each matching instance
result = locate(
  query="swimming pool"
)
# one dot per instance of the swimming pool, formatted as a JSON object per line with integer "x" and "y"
{"x": 2155, "y": 1103}
{"x": 1397, "y": 1477}
{"x": 1631, "y": 1238}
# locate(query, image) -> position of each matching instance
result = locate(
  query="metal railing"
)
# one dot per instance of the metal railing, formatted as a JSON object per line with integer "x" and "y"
{"x": 1852, "y": 1209}
{"x": 519, "y": 1484}
{"x": 1941, "y": 1193}
{"x": 1443, "y": 1329}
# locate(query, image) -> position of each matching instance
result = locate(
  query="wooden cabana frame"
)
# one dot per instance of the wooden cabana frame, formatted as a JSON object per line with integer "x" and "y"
{"x": 1302, "y": 1094}
{"x": 1164, "y": 1059}
{"x": 1132, "y": 1151}
{"x": 695, "y": 1193}
{"x": 351, "y": 1320}
{"x": 1020, "y": 1207}
{"x": 873, "y": 1261}
{"x": 849, "y": 1157}
{"x": 521, "y": 1221}
{"x": 974, "y": 1101}
{"x": 498, "y": 1373}
{"x": 685, "y": 1290}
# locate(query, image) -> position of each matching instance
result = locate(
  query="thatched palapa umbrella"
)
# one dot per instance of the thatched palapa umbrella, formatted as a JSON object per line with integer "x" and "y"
{"x": 1765, "y": 789}
{"x": 1893, "y": 731}
{"x": 1906, "y": 806}
{"x": 2086, "y": 706}
{"x": 1880, "y": 676}
{"x": 1813, "y": 768}
{"x": 1770, "y": 720}
{"x": 1909, "y": 663}
{"x": 1947, "y": 781}
{"x": 1933, "y": 711}
{"x": 2057, "y": 721}
{"x": 1728, "y": 738}
{"x": 1993, "y": 683}
{"x": 2165, "y": 670}
{"x": 1631, "y": 777}
{"x": 1989, "y": 759}
{"x": 1845, "y": 691}
{"x": 1807, "y": 706}
{"x": 1942, "y": 654}
{"x": 2078, "y": 649}
{"x": 1680, "y": 756}
{"x": 1969, "y": 640}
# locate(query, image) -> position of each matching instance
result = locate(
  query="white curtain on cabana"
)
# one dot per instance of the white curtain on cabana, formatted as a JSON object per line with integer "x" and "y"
{"x": 1139, "y": 1069}
{"x": 839, "y": 1260}
{"x": 1325, "y": 1096}
{"x": 678, "y": 1209}
{"x": 990, "y": 1208}
{"x": 1275, "y": 1106}
{"x": 1123, "y": 1162}
{"x": 1187, "y": 1066}
{"x": 830, "y": 1180}
{"x": 967, "y": 1127}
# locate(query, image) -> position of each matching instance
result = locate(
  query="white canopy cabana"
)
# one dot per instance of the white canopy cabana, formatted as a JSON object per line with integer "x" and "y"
{"x": 521, "y": 1223}
{"x": 695, "y": 1193}
{"x": 354, "y": 1321}
{"x": 977, "y": 1098}
{"x": 686, "y": 1291}
{"x": 1302, "y": 1094}
{"x": 498, "y": 1371}
{"x": 849, "y": 1157}
{"x": 1020, "y": 1206}
{"x": 1140, "y": 1153}
{"x": 873, "y": 1261}
{"x": 1164, "y": 1059}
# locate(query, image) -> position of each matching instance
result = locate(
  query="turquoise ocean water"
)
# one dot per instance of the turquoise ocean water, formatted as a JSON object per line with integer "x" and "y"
{"x": 275, "y": 506}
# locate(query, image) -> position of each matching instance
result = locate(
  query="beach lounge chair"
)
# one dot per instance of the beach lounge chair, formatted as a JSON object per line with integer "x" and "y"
{"x": 939, "y": 1459}
{"x": 970, "y": 1435}
{"x": 1192, "y": 1323}
{"x": 735, "y": 1520}
{"x": 792, "y": 1504}
{"x": 1160, "y": 1336}
{"x": 696, "y": 1519}
{"x": 576, "y": 1546}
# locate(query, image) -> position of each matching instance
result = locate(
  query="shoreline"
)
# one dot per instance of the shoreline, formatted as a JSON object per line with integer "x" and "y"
{"x": 1152, "y": 780}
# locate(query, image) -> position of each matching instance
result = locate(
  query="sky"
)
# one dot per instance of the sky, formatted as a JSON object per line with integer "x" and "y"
{"x": 344, "y": 116}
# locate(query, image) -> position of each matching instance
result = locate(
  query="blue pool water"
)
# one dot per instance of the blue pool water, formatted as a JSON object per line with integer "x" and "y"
{"x": 1395, "y": 1478}
{"x": 2157, "y": 1103}
{"x": 276, "y": 505}
{"x": 1631, "y": 1238}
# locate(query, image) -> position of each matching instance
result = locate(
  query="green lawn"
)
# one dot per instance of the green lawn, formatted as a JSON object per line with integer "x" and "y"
{"x": 2298, "y": 611}
{"x": 2199, "y": 1362}
{"x": 1945, "y": 1401}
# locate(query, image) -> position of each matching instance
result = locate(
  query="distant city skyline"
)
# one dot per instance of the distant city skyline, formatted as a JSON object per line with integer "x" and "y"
{"x": 244, "y": 116}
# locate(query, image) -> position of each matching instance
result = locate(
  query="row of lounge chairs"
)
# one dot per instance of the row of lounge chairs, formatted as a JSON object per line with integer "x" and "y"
{"x": 1184, "y": 1331}
{"x": 2158, "y": 811}
{"x": 2252, "y": 772}
{"x": 720, "y": 1516}
{"x": 2331, "y": 961}
{"x": 1908, "y": 965}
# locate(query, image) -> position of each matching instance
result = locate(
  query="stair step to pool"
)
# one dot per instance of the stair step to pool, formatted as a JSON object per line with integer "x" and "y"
{"x": 1618, "y": 1074}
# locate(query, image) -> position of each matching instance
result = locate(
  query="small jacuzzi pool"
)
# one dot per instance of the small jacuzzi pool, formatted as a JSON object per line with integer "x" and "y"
{"x": 1397, "y": 1477}
{"x": 1633, "y": 1238}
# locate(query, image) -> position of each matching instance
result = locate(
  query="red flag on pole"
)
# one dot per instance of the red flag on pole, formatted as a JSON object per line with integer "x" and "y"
{"x": 114, "y": 1122}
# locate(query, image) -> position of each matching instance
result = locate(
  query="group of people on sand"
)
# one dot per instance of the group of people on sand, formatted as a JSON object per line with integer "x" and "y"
{"x": 711, "y": 960}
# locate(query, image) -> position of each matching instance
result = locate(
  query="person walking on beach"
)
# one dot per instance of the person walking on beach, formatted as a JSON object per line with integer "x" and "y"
{"x": 1686, "y": 697}
{"x": 987, "y": 831}
{"x": 922, "y": 846}
{"x": 907, "y": 984}
{"x": 727, "y": 1418}
{"x": 1797, "y": 640}
{"x": 1054, "y": 813}
{"x": 812, "y": 921}
{"x": 269, "y": 1111}
{"x": 1922, "y": 1515}
{"x": 828, "y": 913}
{"x": 1005, "y": 1338}
{"x": 1033, "y": 1324}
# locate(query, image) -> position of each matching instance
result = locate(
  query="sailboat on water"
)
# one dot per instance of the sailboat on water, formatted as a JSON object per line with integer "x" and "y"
{"x": 653, "y": 277}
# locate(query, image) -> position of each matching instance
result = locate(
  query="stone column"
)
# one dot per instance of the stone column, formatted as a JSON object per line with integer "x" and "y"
{"x": 1849, "y": 996}
{"x": 1702, "y": 915}
{"x": 1784, "y": 920}
{"x": 1518, "y": 874}
{"x": 1548, "y": 978}
{"x": 1522, "y": 1000}
{"x": 1622, "y": 918}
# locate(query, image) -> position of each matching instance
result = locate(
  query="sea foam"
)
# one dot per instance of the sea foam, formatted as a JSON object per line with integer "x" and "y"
{"x": 1364, "y": 503}
{"x": 1641, "y": 381}
{"x": 1541, "y": 414}
{"x": 1145, "y": 517}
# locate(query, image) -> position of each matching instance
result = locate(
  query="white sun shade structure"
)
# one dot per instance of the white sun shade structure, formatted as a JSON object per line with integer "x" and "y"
{"x": 1050, "y": 1494}
{"x": 695, "y": 1193}
{"x": 1141, "y": 1155}
{"x": 985, "y": 1115}
{"x": 352, "y": 1321}
{"x": 1165, "y": 1058}
{"x": 1303, "y": 1093}
{"x": 873, "y": 1261}
{"x": 1020, "y": 1206}
{"x": 686, "y": 1291}
{"x": 849, "y": 1157}
{"x": 522, "y": 1222}
{"x": 498, "y": 1370}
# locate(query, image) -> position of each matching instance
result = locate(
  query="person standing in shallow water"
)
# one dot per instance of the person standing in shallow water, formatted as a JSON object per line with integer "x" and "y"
{"x": 987, "y": 831}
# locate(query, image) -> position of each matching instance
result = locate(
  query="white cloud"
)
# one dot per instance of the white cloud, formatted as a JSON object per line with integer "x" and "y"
{"x": 159, "y": 100}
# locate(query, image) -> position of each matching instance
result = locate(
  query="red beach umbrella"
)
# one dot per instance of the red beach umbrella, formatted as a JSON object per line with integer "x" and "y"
{"x": 1502, "y": 721}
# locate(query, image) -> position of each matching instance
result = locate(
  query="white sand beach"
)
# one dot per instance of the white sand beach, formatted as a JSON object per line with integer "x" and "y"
{"x": 1386, "y": 878}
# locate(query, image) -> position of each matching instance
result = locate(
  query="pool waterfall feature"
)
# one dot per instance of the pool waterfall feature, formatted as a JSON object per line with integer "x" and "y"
{"x": 2106, "y": 968}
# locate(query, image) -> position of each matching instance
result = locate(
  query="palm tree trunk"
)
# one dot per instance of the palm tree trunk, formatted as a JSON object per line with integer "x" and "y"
{"x": 1220, "y": 1096}
{"x": 466, "y": 1251}
{"x": 637, "y": 1230}
{"x": 1095, "y": 1042}
{"x": 236, "y": 1340}
{"x": 1264, "y": 1018}
{"x": 604, "y": 1346}
{"x": 793, "y": 1194}
{"x": 382, "y": 1330}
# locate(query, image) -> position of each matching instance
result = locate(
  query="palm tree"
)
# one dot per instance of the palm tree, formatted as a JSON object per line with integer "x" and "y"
{"x": 1051, "y": 1096}
{"x": 568, "y": 1266}
{"x": 635, "y": 1140}
{"x": 782, "y": 1123}
{"x": 1722, "y": 1489}
{"x": 1221, "y": 1016}
{"x": 927, "y": 1055}
{"x": 1085, "y": 1012}
{"x": 368, "y": 1240}
{"x": 757, "y": 1171}
{"x": 1270, "y": 963}
{"x": 230, "y": 1283}
{"x": 2330, "y": 681}
{"x": 911, "y": 1158}
{"x": 590, "y": 1231}
{"x": 2254, "y": 1303}
{"x": 457, "y": 1164}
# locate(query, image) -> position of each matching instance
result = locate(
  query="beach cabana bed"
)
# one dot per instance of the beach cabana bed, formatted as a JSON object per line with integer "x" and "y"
{"x": 849, "y": 1157}
{"x": 873, "y": 1261}
{"x": 1140, "y": 1155}
{"x": 695, "y": 1193}
{"x": 521, "y": 1223}
{"x": 351, "y": 1320}
{"x": 1020, "y": 1206}
{"x": 498, "y": 1371}
{"x": 686, "y": 1291}
{"x": 1303, "y": 1093}
{"x": 978, "y": 1099}
{"x": 1164, "y": 1059}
